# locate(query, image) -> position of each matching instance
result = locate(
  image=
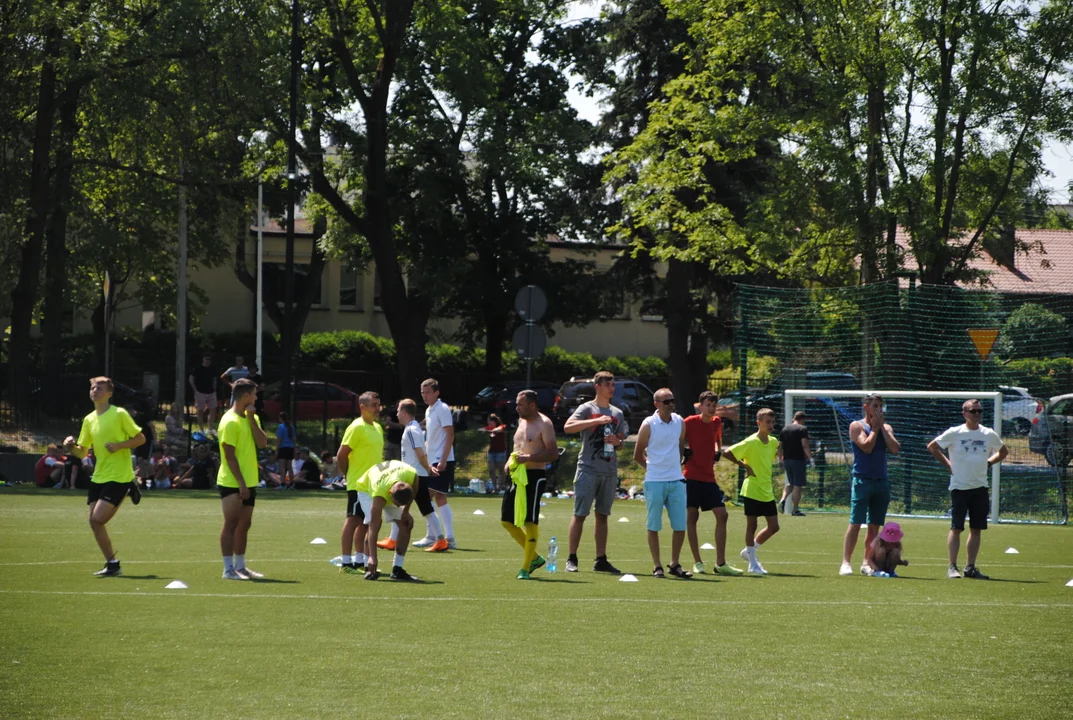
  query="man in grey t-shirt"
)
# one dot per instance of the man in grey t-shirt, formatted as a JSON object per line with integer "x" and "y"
{"x": 603, "y": 428}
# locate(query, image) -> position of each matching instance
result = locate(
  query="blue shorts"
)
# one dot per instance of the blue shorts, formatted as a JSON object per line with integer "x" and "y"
{"x": 869, "y": 500}
{"x": 796, "y": 472}
{"x": 670, "y": 495}
{"x": 497, "y": 458}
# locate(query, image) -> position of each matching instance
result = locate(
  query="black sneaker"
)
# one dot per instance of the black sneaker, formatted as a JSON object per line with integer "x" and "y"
{"x": 372, "y": 575}
{"x": 602, "y": 565}
{"x": 135, "y": 492}
{"x": 110, "y": 569}
{"x": 571, "y": 565}
{"x": 798, "y": 513}
{"x": 397, "y": 573}
{"x": 974, "y": 572}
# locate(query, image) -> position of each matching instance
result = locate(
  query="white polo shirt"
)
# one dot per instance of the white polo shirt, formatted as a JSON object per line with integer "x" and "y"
{"x": 437, "y": 418}
{"x": 413, "y": 437}
{"x": 664, "y": 460}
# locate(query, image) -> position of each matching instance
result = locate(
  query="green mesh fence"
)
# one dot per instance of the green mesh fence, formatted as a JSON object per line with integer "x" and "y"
{"x": 891, "y": 336}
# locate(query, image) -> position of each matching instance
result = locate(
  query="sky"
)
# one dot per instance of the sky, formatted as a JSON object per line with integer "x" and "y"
{"x": 1057, "y": 157}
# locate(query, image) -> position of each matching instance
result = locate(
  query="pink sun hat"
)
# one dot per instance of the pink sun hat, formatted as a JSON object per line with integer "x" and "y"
{"x": 891, "y": 532}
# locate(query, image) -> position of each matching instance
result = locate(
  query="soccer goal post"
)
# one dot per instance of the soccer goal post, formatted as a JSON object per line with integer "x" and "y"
{"x": 919, "y": 484}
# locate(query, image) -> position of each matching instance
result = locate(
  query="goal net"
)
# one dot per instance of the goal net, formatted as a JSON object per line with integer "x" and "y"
{"x": 1024, "y": 488}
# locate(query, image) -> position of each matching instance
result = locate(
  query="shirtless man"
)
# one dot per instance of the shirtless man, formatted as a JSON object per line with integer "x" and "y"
{"x": 534, "y": 448}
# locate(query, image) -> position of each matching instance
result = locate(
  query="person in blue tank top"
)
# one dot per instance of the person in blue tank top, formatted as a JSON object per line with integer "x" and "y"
{"x": 872, "y": 440}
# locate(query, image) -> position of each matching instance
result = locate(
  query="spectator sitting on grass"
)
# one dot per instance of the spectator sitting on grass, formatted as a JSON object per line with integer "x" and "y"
{"x": 270, "y": 476}
{"x": 307, "y": 477}
{"x": 201, "y": 473}
{"x": 49, "y": 468}
{"x": 174, "y": 433}
{"x": 329, "y": 469}
{"x": 165, "y": 468}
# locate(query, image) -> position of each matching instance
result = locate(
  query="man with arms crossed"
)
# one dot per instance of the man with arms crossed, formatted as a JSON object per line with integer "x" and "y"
{"x": 440, "y": 449}
{"x": 660, "y": 446}
{"x": 534, "y": 447}
{"x": 603, "y": 428}
{"x": 795, "y": 455}
{"x": 704, "y": 436}
{"x": 240, "y": 436}
{"x": 413, "y": 454}
{"x": 973, "y": 448}
{"x": 385, "y": 493}
{"x": 111, "y": 433}
{"x": 361, "y": 448}
{"x": 872, "y": 440}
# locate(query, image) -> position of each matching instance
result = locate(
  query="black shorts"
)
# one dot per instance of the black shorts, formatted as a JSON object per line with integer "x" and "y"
{"x": 704, "y": 495}
{"x": 248, "y": 502}
{"x": 285, "y": 453}
{"x": 756, "y": 508}
{"x": 112, "y": 492}
{"x": 353, "y": 507}
{"x": 422, "y": 498}
{"x": 975, "y": 502}
{"x": 444, "y": 481}
{"x": 533, "y": 490}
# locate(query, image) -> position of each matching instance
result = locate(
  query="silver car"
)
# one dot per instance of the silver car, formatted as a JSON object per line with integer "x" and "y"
{"x": 1052, "y": 434}
{"x": 1019, "y": 410}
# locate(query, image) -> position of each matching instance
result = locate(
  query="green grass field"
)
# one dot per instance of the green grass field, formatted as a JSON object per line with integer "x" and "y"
{"x": 471, "y": 641}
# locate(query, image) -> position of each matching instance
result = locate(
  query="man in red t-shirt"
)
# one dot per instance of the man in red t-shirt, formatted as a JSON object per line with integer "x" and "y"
{"x": 704, "y": 436}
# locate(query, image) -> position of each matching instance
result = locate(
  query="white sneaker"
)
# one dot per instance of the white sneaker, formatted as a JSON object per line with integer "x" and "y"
{"x": 953, "y": 573}
{"x": 846, "y": 569}
{"x": 866, "y": 570}
{"x": 698, "y": 568}
{"x": 425, "y": 542}
{"x": 756, "y": 568}
{"x": 248, "y": 574}
{"x": 745, "y": 555}
{"x": 232, "y": 575}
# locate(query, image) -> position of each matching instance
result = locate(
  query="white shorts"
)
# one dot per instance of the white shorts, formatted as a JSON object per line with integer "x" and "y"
{"x": 392, "y": 513}
{"x": 204, "y": 401}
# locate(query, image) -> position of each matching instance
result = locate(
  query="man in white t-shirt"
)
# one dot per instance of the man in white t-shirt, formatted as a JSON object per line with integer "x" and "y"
{"x": 413, "y": 454}
{"x": 440, "y": 449}
{"x": 972, "y": 449}
{"x": 660, "y": 446}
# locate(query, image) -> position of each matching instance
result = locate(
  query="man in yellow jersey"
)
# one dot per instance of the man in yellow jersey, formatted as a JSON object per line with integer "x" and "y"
{"x": 362, "y": 447}
{"x": 385, "y": 492}
{"x": 111, "y": 432}
{"x": 240, "y": 435}
{"x": 757, "y": 454}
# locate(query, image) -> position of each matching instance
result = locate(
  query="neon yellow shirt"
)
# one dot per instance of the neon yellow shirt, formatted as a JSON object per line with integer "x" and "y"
{"x": 235, "y": 431}
{"x": 114, "y": 425}
{"x": 366, "y": 443}
{"x": 377, "y": 481}
{"x": 760, "y": 457}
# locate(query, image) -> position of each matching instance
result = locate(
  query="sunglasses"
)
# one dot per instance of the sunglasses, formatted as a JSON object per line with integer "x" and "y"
{"x": 668, "y": 401}
{"x": 978, "y": 411}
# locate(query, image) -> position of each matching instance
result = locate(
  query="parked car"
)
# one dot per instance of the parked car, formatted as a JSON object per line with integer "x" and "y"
{"x": 1052, "y": 432}
{"x": 309, "y": 401}
{"x": 1019, "y": 410}
{"x": 502, "y": 399}
{"x": 632, "y": 397}
{"x": 828, "y": 417}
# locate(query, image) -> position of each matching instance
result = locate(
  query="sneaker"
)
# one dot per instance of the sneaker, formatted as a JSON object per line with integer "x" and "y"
{"x": 386, "y": 543}
{"x": 952, "y": 572}
{"x": 745, "y": 555}
{"x": 729, "y": 570}
{"x": 971, "y": 571}
{"x": 538, "y": 562}
{"x": 756, "y": 568}
{"x": 248, "y": 574}
{"x": 571, "y": 565}
{"x": 798, "y": 513}
{"x": 523, "y": 575}
{"x": 602, "y": 565}
{"x": 232, "y": 575}
{"x": 450, "y": 543}
{"x": 397, "y": 573}
{"x": 372, "y": 575}
{"x": 425, "y": 542}
{"x": 110, "y": 569}
{"x": 846, "y": 569}
{"x": 262, "y": 484}
{"x": 352, "y": 569}
{"x": 782, "y": 506}
{"x": 440, "y": 545}
{"x": 866, "y": 570}
{"x": 135, "y": 492}
{"x": 698, "y": 568}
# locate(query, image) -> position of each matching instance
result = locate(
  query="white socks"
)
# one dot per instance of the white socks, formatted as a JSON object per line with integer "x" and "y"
{"x": 347, "y": 559}
{"x": 399, "y": 559}
{"x": 240, "y": 562}
{"x": 448, "y": 520}
{"x": 434, "y": 530}
{"x": 359, "y": 558}
{"x": 394, "y": 531}
{"x": 229, "y": 563}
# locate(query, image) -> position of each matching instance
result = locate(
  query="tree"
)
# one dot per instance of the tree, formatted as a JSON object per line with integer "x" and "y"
{"x": 1033, "y": 331}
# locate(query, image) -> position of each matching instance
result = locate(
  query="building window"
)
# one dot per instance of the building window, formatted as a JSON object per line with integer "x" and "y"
{"x": 276, "y": 282}
{"x": 349, "y": 289}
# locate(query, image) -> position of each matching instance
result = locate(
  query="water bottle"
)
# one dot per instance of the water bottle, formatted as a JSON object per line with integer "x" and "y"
{"x": 553, "y": 555}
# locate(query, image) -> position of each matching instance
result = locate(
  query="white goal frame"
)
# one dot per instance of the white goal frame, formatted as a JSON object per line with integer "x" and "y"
{"x": 983, "y": 396}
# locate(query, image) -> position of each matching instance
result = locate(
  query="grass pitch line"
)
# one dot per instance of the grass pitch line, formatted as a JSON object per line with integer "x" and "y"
{"x": 544, "y": 600}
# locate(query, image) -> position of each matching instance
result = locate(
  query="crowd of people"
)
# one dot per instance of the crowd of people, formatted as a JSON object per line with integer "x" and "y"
{"x": 678, "y": 455}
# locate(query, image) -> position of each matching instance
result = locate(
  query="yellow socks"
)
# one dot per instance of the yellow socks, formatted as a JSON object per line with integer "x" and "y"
{"x": 532, "y": 533}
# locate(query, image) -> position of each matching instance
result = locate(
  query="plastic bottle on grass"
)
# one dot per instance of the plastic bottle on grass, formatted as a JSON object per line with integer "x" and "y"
{"x": 553, "y": 555}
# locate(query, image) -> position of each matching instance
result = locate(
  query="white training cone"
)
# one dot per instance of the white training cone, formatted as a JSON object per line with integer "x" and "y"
{"x": 623, "y": 519}
{"x": 1069, "y": 584}
{"x": 318, "y": 541}
{"x": 543, "y": 516}
{"x": 176, "y": 585}
{"x": 543, "y": 504}
{"x": 707, "y": 546}
{"x": 1012, "y": 551}
{"x": 478, "y": 512}
{"x": 627, "y": 578}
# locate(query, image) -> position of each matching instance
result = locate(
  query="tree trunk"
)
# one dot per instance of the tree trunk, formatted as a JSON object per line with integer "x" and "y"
{"x": 678, "y": 316}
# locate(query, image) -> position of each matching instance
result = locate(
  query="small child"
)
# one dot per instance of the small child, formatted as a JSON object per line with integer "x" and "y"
{"x": 887, "y": 551}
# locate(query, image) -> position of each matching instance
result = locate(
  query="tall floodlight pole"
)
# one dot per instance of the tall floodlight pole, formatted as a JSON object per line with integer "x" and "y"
{"x": 180, "y": 310}
{"x": 292, "y": 178}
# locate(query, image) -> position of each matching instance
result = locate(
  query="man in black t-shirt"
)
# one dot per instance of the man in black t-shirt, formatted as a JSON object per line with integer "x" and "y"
{"x": 795, "y": 456}
{"x": 203, "y": 382}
